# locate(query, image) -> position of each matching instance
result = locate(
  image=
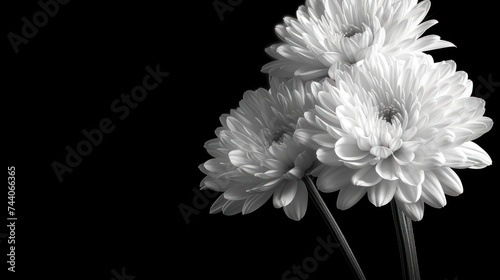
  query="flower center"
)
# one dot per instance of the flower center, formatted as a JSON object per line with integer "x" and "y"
{"x": 387, "y": 113}
{"x": 351, "y": 31}
{"x": 277, "y": 135}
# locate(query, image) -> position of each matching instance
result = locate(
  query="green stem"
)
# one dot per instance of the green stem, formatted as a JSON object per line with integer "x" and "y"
{"x": 406, "y": 241}
{"x": 334, "y": 227}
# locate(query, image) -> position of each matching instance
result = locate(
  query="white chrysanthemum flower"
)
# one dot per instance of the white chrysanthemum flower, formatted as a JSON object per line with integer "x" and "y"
{"x": 256, "y": 156}
{"x": 395, "y": 129}
{"x": 332, "y": 34}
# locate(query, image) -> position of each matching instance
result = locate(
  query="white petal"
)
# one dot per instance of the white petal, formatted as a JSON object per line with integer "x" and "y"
{"x": 427, "y": 134}
{"x": 414, "y": 211}
{"x": 235, "y": 125}
{"x": 304, "y": 160}
{"x": 366, "y": 177}
{"x": 328, "y": 156}
{"x": 324, "y": 140}
{"x": 236, "y": 193}
{"x": 254, "y": 202}
{"x": 310, "y": 73}
{"x": 218, "y": 204}
{"x": 265, "y": 186}
{"x": 428, "y": 160}
{"x": 388, "y": 169}
{"x": 381, "y": 152}
{"x": 285, "y": 194}
{"x": 431, "y": 42}
{"x": 364, "y": 143}
{"x": 275, "y": 164}
{"x": 349, "y": 196}
{"x": 294, "y": 174}
{"x": 456, "y": 158}
{"x": 212, "y": 146}
{"x": 409, "y": 133}
{"x": 297, "y": 208}
{"x": 450, "y": 182}
{"x": 316, "y": 6}
{"x": 479, "y": 127}
{"x": 462, "y": 135}
{"x": 404, "y": 156}
{"x": 232, "y": 207}
{"x": 411, "y": 145}
{"x": 408, "y": 194}
{"x": 395, "y": 144}
{"x": 347, "y": 149}
{"x": 304, "y": 133}
{"x": 215, "y": 184}
{"x": 411, "y": 176}
{"x": 277, "y": 195}
{"x": 215, "y": 165}
{"x": 444, "y": 138}
{"x": 432, "y": 192}
{"x": 238, "y": 157}
{"x": 332, "y": 179}
{"x": 476, "y": 156}
{"x": 324, "y": 112}
{"x": 357, "y": 164}
{"x": 382, "y": 193}
{"x": 331, "y": 57}
{"x": 348, "y": 124}
{"x": 270, "y": 174}
{"x": 251, "y": 169}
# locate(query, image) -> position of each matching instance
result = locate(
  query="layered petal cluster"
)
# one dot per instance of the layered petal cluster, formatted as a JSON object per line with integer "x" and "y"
{"x": 331, "y": 34}
{"x": 256, "y": 157}
{"x": 394, "y": 129}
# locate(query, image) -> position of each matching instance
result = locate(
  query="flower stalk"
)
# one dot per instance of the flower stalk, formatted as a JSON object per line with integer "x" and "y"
{"x": 333, "y": 226}
{"x": 406, "y": 241}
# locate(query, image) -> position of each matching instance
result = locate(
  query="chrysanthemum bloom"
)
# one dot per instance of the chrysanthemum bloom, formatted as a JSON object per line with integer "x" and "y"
{"x": 396, "y": 129}
{"x": 256, "y": 156}
{"x": 332, "y": 34}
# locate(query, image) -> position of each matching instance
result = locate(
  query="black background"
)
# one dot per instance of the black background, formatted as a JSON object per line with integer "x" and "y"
{"x": 120, "y": 206}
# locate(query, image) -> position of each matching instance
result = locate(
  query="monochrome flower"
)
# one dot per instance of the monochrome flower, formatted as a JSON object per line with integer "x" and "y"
{"x": 256, "y": 156}
{"x": 333, "y": 34}
{"x": 395, "y": 129}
